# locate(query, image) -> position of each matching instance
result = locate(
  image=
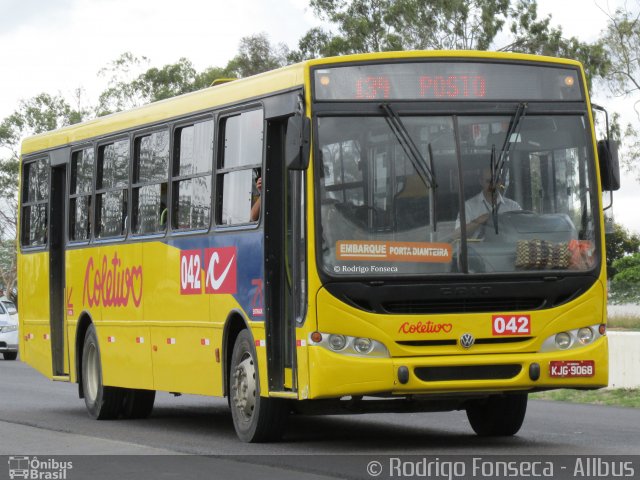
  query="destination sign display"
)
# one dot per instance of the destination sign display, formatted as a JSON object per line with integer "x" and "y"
{"x": 447, "y": 81}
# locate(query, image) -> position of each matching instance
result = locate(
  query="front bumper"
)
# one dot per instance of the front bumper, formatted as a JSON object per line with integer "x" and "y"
{"x": 332, "y": 375}
{"x": 9, "y": 342}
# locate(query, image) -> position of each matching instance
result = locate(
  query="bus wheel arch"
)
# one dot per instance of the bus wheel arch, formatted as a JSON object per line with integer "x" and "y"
{"x": 102, "y": 402}
{"x": 84, "y": 322}
{"x": 233, "y": 326}
{"x": 256, "y": 418}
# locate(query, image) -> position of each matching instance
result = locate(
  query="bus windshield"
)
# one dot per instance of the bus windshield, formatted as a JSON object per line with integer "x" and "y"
{"x": 489, "y": 204}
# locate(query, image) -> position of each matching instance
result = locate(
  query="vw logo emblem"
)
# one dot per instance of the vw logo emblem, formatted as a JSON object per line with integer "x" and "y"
{"x": 467, "y": 340}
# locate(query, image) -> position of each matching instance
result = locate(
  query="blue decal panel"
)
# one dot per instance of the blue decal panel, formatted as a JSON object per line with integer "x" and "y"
{"x": 229, "y": 263}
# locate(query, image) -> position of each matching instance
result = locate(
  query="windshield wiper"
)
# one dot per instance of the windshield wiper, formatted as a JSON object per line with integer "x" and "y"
{"x": 425, "y": 171}
{"x": 497, "y": 169}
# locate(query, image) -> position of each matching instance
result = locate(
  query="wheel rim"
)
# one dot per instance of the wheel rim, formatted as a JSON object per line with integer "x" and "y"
{"x": 244, "y": 387}
{"x": 92, "y": 373}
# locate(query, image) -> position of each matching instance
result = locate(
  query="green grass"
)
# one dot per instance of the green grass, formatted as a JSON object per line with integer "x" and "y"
{"x": 621, "y": 397}
{"x": 623, "y": 322}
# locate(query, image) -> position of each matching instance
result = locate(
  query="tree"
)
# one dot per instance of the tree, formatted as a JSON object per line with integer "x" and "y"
{"x": 361, "y": 26}
{"x": 257, "y": 55}
{"x": 385, "y": 25}
{"x": 39, "y": 114}
{"x": 151, "y": 85}
{"x": 122, "y": 92}
{"x": 625, "y": 286}
{"x": 621, "y": 41}
{"x": 132, "y": 83}
{"x": 538, "y": 36}
{"x": 619, "y": 244}
{"x": 448, "y": 24}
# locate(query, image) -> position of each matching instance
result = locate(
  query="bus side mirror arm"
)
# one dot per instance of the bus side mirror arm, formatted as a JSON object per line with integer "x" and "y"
{"x": 298, "y": 142}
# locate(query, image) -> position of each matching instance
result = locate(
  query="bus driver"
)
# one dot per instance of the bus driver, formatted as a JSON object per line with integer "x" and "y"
{"x": 477, "y": 209}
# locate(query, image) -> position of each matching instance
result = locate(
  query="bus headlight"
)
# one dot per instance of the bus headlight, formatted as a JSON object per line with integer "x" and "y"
{"x": 585, "y": 335}
{"x": 337, "y": 342}
{"x": 346, "y": 345}
{"x": 563, "y": 340}
{"x": 571, "y": 339}
{"x": 362, "y": 345}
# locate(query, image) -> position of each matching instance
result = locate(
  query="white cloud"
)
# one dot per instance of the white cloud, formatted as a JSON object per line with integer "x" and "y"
{"x": 68, "y": 50}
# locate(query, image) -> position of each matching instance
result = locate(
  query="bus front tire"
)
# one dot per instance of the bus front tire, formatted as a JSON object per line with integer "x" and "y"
{"x": 498, "y": 415}
{"x": 255, "y": 418}
{"x": 103, "y": 403}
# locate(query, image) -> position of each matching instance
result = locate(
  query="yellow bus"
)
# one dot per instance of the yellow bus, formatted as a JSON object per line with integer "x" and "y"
{"x": 407, "y": 231}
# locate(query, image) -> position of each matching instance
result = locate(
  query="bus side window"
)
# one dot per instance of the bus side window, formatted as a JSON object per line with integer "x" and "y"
{"x": 82, "y": 166}
{"x": 112, "y": 189}
{"x": 239, "y": 166}
{"x": 35, "y": 202}
{"x": 150, "y": 175}
{"x": 191, "y": 178}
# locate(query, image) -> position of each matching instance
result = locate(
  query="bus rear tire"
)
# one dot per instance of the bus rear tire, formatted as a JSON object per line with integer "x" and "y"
{"x": 255, "y": 418}
{"x": 138, "y": 403}
{"x": 498, "y": 415}
{"x": 103, "y": 403}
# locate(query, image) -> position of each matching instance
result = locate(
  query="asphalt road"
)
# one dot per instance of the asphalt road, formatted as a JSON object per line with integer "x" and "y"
{"x": 40, "y": 417}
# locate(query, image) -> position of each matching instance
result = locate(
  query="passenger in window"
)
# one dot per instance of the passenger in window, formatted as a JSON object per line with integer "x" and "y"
{"x": 478, "y": 208}
{"x": 255, "y": 207}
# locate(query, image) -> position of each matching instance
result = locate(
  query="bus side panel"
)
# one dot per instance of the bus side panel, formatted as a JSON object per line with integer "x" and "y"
{"x": 183, "y": 337}
{"x": 107, "y": 283}
{"x": 76, "y": 302}
{"x": 128, "y": 351}
{"x": 34, "y": 314}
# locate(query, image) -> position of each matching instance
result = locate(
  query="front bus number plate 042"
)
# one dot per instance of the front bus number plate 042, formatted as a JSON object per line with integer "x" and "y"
{"x": 572, "y": 368}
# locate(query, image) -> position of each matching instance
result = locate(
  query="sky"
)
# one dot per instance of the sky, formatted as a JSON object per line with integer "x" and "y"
{"x": 58, "y": 46}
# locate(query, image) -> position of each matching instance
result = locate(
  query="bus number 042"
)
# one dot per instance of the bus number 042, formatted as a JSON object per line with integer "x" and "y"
{"x": 190, "y": 271}
{"x": 511, "y": 324}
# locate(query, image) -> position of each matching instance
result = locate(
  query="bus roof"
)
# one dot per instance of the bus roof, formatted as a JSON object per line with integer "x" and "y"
{"x": 470, "y": 54}
{"x": 200, "y": 101}
{"x": 273, "y": 81}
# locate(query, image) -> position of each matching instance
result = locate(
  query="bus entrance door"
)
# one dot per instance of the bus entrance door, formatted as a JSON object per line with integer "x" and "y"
{"x": 282, "y": 227}
{"x": 60, "y": 361}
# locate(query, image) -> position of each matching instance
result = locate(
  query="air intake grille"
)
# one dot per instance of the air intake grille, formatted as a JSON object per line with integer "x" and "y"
{"x": 463, "y": 305}
{"x": 450, "y": 342}
{"x": 475, "y": 372}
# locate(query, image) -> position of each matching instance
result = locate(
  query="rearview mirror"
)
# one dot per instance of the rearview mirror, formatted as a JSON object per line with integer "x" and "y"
{"x": 609, "y": 165}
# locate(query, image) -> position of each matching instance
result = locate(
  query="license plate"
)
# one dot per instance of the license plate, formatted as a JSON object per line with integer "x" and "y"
{"x": 572, "y": 368}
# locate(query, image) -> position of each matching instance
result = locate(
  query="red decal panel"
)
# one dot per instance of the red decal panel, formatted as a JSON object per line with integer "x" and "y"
{"x": 502, "y": 325}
